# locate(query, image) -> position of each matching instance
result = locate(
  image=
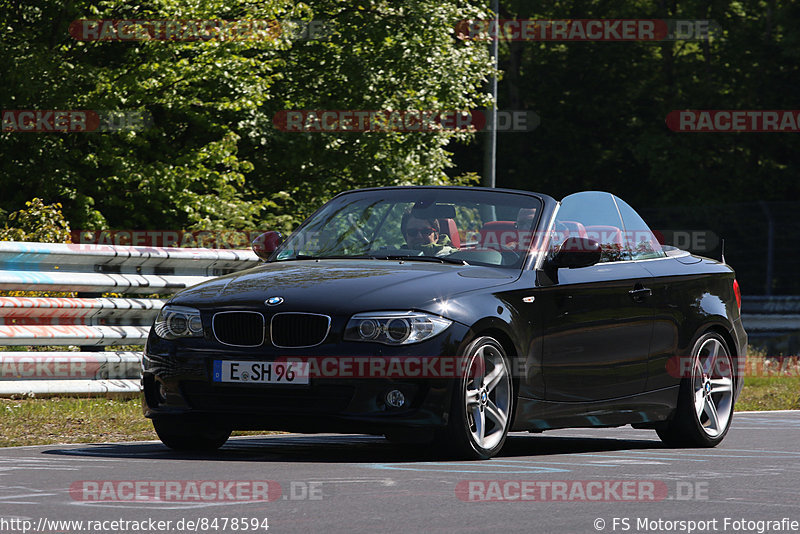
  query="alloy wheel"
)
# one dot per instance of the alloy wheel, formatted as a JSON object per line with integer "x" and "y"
{"x": 712, "y": 383}
{"x": 488, "y": 396}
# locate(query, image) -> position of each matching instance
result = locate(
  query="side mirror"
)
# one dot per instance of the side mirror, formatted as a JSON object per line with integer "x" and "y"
{"x": 265, "y": 244}
{"x": 577, "y": 252}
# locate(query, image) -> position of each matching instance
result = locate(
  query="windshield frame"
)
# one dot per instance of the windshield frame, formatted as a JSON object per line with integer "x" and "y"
{"x": 530, "y": 254}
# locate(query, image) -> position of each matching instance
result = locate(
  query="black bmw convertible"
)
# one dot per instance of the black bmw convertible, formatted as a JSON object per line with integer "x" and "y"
{"x": 453, "y": 315}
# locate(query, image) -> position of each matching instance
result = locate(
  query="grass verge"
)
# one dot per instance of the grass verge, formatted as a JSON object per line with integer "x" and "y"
{"x": 770, "y": 393}
{"x": 31, "y": 421}
{"x": 72, "y": 420}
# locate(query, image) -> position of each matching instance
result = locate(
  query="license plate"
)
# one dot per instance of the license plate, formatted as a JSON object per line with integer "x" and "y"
{"x": 250, "y": 372}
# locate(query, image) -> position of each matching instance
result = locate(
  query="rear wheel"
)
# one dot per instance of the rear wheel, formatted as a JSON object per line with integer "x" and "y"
{"x": 706, "y": 397}
{"x": 481, "y": 408}
{"x": 182, "y": 436}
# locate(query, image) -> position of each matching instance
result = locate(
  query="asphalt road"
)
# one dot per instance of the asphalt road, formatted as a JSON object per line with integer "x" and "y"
{"x": 582, "y": 481}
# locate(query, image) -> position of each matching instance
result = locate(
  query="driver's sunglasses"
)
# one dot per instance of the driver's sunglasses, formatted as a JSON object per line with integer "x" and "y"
{"x": 420, "y": 231}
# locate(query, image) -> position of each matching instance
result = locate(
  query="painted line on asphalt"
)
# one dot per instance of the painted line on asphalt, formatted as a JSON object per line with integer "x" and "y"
{"x": 722, "y": 454}
{"x": 765, "y": 412}
{"x": 489, "y": 469}
{"x": 585, "y": 455}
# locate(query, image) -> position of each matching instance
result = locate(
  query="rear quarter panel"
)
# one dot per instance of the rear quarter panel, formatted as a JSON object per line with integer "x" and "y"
{"x": 691, "y": 295}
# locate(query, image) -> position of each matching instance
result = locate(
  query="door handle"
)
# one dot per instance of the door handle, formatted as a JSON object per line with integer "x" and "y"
{"x": 640, "y": 293}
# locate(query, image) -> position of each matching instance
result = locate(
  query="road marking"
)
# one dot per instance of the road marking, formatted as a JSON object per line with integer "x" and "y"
{"x": 448, "y": 467}
{"x": 584, "y": 455}
{"x": 766, "y": 412}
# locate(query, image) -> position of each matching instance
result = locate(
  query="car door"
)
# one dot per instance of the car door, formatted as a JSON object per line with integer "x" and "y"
{"x": 597, "y": 320}
{"x": 644, "y": 248}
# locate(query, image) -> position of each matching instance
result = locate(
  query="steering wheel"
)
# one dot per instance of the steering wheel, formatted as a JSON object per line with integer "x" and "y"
{"x": 505, "y": 249}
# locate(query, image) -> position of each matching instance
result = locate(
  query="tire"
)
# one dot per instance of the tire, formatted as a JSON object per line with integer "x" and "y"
{"x": 180, "y": 436}
{"x": 482, "y": 404}
{"x": 704, "y": 411}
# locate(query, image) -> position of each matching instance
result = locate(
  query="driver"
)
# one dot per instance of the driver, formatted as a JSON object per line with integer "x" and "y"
{"x": 425, "y": 235}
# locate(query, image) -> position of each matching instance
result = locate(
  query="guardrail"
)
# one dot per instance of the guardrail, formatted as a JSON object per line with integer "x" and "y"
{"x": 773, "y": 322}
{"x": 89, "y": 320}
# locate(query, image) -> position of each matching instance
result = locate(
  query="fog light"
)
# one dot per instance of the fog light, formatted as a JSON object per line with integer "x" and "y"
{"x": 162, "y": 393}
{"x": 395, "y": 398}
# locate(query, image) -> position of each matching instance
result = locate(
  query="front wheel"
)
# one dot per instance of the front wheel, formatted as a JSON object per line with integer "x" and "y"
{"x": 705, "y": 399}
{"x": 181, "y": 436}
{"x": 482, "y": 402}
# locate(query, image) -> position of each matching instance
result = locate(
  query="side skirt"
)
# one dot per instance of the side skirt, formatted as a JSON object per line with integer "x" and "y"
{"x": 640, "y": 409}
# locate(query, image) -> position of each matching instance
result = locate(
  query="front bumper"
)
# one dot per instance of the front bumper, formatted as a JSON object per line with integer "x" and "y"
{"x": 177, "y": 382}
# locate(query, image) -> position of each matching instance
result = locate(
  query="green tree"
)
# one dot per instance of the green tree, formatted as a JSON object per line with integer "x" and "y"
{"x": 382, "y": 55}
{"x": 37, "y": 222}
{"x": 603, "y": 105}
{"x": 211, "y": 158}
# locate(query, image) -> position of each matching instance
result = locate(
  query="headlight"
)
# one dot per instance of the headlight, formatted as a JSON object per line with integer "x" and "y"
{"x": 174, "y": 322}
{"x": 394, "y": 328}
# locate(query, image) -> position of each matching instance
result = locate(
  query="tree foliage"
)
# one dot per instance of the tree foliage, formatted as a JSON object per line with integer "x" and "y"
{"x": 211, "y": 158}
{"x": 603, "y": 105}
{"x": 37, "y": 222}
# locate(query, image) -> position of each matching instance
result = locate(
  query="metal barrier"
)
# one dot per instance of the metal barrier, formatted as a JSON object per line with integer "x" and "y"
{"x": 773, "y": 323}
{"x": 89, "y": 320}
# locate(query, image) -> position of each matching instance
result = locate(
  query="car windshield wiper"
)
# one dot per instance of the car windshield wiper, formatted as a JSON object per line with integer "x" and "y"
{"x": 437, "y": 259}
{"x": 330, "y": 257}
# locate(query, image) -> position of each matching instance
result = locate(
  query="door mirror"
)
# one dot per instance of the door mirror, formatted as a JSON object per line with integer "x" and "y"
{"x": 265, "y": 244}
{"x": 577, "y": 252}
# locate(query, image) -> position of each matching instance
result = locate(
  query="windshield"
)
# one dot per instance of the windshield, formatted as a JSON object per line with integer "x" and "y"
{"x": 425, "y": 224}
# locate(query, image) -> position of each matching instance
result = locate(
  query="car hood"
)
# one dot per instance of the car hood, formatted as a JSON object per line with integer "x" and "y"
{"x": 343, "y": 286}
